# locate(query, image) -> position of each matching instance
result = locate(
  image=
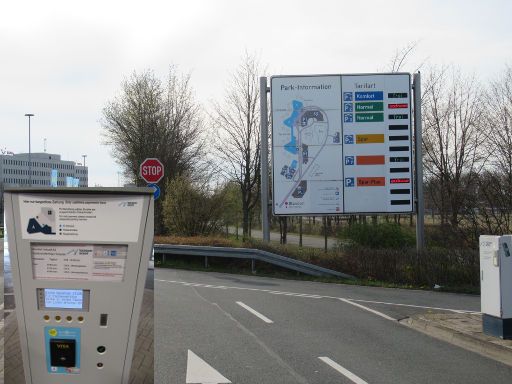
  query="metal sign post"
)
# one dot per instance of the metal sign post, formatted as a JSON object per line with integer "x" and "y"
{"x": 418, "y": 135}
{"x": 264, "y": 159}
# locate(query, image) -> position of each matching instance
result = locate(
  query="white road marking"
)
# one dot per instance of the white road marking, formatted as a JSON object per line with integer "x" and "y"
{"x": 200, "y": 372}
{"x": 368, "y": 309}
{"x": 414, "y": 306}
{"x": 345, "y": 372}
{"x": 255, "y": 313}
{"x": 312, "y": 296}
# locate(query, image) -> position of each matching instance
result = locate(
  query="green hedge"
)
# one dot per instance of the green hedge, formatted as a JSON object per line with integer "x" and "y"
{"x": 378, "y": 236}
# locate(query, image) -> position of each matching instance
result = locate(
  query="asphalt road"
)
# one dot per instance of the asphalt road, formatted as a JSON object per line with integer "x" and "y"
{"x": 219, "y": 328}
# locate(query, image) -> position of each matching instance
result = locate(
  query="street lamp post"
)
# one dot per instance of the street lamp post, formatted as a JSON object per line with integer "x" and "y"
{"x": 29, "y": 115}
{"x": 84, "y": 156}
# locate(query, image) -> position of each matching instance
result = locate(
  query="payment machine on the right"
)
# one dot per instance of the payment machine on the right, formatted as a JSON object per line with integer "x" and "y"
{"x": 496, "y": 285}
{"x": 79, "y": 260}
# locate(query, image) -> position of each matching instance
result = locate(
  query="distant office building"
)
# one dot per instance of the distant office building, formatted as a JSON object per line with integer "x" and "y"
{"x": 14, "y": 172}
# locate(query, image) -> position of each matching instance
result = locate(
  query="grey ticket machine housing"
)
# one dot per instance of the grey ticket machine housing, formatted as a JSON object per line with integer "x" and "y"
{"x": 79, "y": 259}
{"x": 496, "y": 285}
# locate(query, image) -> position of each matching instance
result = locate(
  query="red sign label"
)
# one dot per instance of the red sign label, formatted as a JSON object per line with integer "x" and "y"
{"x": 396, "y": 106}
{"x": 371, "y": 181}
{"x": 152, "y": 170}
{"x": 400, "y": 181}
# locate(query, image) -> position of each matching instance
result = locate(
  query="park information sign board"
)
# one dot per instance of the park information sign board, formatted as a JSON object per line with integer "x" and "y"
{"x": 341, "y": 144}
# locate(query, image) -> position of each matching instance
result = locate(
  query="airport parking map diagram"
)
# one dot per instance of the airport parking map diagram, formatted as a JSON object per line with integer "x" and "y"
{"x": 341, "y": 144}
{"x": 306, "y": 141}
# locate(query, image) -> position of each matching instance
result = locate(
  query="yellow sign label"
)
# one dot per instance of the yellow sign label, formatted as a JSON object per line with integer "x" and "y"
{"x": 52, "y": 332}
{"x": 370, "y": 138}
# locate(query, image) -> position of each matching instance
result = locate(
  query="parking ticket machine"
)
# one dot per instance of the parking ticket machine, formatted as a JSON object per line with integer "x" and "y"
{"x": 496, "y": 285}
{"x": 79, "y": 259}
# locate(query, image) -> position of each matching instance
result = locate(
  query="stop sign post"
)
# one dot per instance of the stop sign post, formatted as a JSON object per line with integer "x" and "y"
{"x": 152, "y": 170}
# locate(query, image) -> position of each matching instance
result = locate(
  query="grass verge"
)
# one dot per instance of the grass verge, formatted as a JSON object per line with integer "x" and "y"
{"x": 448, "y": 269}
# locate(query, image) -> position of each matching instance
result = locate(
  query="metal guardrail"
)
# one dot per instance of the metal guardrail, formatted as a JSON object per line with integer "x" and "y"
{"x": 247, "y": 253}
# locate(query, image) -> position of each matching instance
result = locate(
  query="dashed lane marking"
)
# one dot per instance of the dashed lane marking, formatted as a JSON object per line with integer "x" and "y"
{"x": 313, "y": 296}
{"x": 255, "y": 313}
{"x": 345, "y": 372}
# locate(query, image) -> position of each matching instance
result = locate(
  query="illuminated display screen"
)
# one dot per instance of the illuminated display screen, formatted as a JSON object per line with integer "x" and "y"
{"x": 64, "y": 298}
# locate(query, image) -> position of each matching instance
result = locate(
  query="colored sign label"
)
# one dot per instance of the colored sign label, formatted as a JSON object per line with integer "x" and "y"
{"x": 156, "y": 194}
{"x": 369, "y": 106}
{"x": 401, "y": 180}
{"x": 398, "y": 117}
{"x": 397, "y": 95}
{"x": 373, "y": 138}
{"x": 396, "y": 106}
{"x": 369, "y": 117}
{"x": 368, "y": 96}
{"x": 370, "y": 160}
{"x": 371, "y": 181}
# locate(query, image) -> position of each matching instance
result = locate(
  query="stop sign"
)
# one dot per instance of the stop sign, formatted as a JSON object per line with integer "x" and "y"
{"x": 151, "y": 170}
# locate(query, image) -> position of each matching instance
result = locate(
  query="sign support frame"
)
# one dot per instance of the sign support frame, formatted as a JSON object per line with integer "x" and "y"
{"x": 418, "y": 142}
{"x": 418, "y": 179}
{"x": 264, "y": 159}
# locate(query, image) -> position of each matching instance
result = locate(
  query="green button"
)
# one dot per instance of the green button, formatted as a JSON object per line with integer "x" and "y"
{"x": 369, "y": 117}
{"x": 369, "y": 106}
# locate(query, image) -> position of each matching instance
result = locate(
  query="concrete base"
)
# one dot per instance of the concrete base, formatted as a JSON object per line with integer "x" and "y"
{"x": 496, "y": 326}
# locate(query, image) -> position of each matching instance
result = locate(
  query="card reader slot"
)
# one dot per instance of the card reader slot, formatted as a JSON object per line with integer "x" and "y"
{"x": 103, "y": 320}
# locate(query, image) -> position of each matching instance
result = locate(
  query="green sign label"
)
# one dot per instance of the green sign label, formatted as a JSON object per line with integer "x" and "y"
{"x": 369, "y": 106}
{"x": 369, "y": 117}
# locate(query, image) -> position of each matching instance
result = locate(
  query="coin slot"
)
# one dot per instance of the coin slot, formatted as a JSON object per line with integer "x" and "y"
{"x": 101, "y": 349}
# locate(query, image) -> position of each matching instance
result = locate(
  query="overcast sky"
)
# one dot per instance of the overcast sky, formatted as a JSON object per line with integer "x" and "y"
{"x": 63, "y": 60}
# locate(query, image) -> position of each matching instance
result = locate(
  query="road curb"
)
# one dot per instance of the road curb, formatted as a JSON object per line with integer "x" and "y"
{"x": 467, "y": 341}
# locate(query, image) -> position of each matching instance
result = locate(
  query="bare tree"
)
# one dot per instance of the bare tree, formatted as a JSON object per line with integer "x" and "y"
{"x": 151, "y": 119}
{"x": 496, "y": 184}
{"x": 402, "y": 58}
{"x": 237, "y": 125}
{"x": 453, "y": 140}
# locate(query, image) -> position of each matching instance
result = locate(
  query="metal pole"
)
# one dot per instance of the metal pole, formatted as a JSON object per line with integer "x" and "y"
{"x": 325, "y": 233}
{"x": 29, "y": 115}
{"x": 264, "y": 159}
{"x": 420, "y": 202}
{"x": 300, "y": 231}
{"x": 84, "y": 156}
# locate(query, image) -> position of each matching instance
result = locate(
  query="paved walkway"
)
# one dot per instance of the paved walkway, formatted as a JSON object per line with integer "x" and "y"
{"x": 463, "y": 330}
{"x": 142, "y": 371}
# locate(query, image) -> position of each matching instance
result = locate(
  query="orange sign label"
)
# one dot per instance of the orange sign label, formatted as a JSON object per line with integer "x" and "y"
{"x": 370, "y": 160}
